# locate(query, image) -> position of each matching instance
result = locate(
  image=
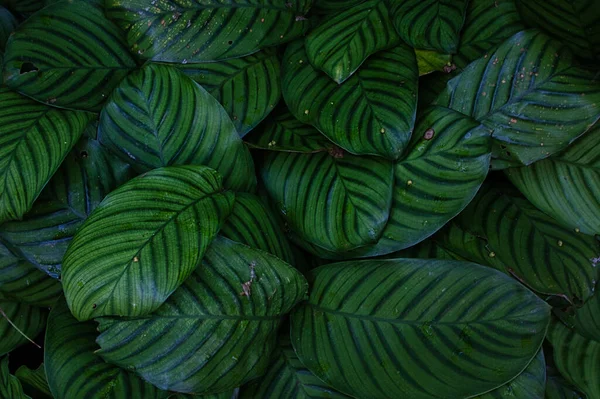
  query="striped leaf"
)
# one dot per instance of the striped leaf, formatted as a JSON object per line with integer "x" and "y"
{"x": 159, "y": 117}
{"x": 86, "y": 176}
{"x": 429, "y": 61}
{"x": 586, "y": 321}
{"x": 429, "y": 24}
{"x": 371, "y": 113}
{"x": 287, "y": 378}
{"x": 73, "y": 368}
{"x": 566, "y": 186}
{"x": 34, "y": 140}
{"x": 253, "y": 224}
{"x": 343, "y": 42}
{"x": 68, "y": 55}
{"x": 248, "y": 87}
{"x": 575, "y": 22}
{"x": 534, "y": 112}
{"x": 335, "y": 201}
{"x": 8, "y": 23}
{"x": 558, "y": 388}
{"x": 488, "y": 23}
{"x": 143, "y": 241}
{"x": 34, "y": 382}
{"x": 197, "y": 31}
{"x": 10, "y": 386}
{"x": 25, "y": 321}
{"x": 416, "y": 329}
{"x": 577, "y": 358}
{"x": 530, "y": 245}
{"x": 217, "y": 331}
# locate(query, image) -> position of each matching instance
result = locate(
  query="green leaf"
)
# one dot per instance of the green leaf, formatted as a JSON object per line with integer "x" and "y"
{"x": 335, "y": 201}
{"x": 24, "y": 7}
{"x": 217, "y": 331}
{"x": 586, "y": 320}
{"x": 566, "y": 186}
{"x": 159, "y": 117}
{"x": 10, "y": 386}
{"x": 577, "y": 358}
{"x": 248, "y": 87}
{"x": 430, "y": 61}
{"x": 73, "y": 368}
{"x": 488, "y": 24}
{"x": 143, "y": 241}
{"x": 86, "y": 176}
{"x": 557, "y": 388}
{"x": 253, "y": 224}
{"x": 528, "y": 244}
{"x": 197, "y": 31}
{"x": 288, "y": 378}
{"x": 417, "y": 328}
{"x": 18, "y": 322}
{"x": 8, "y": 23}
{"x": 535, "y": 111}
{"x": 429, "y": 24}
{"x": 34, "y": 382}
{"x": 371, "y": 113}
{"x": 333, "y": 6}
{"x": 575, "y": 22}
{"x": 34, "y": 140}
{"x": 342, "y": 43}
{"x": 68, "y": 55}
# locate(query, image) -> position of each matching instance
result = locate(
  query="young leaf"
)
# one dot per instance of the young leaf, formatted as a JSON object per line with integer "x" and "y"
{"x": 10, "y": 386}
{"x": 430, "y": 61}
{"x": 19, "y": 324}
{"x": 34, "y": 382}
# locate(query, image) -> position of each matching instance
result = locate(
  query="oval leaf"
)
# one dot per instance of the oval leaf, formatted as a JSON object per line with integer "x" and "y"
{"x": 18, "y": 322}
{"x": 143, "y": 241}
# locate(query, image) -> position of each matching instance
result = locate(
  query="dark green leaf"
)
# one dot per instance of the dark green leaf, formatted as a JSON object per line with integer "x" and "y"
{"x": 586, "y": 320}
{"x": 159, "y": 117}
{"x": 34, "y": 382}
{"x": 557, "y": 388}
{"x": 10, "y": 387}
{"x": 371, "y": 113}
{"x": 333, "y": 6}
{"x": 417, "y": 328}
{"x": 430, "y": 87}
{"x": 217, "y": 330}
{"x": 197, "y": 31}
{"x": 34, "y": 140}
{"x": 24, "y": 7}
{"x": 143, "y": 241}
{"x": 68, "y": 55}
{"x": 18, "y": 322}
{"x": 8, "y": 23}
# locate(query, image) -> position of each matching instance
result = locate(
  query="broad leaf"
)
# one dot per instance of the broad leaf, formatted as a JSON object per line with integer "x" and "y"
{"x": 333, "y": 200}
{"x": 196, "y": 31}
{"x": 18, "y": 322}
{"x": 248, "y": 88}
{"x": 429, "y": 24}
{"x": 86, "y": 176}
{"x": 342, "y": 43}
{"x": 586, "y": 320}
{"x": 577, "y": 358}
{"x": 371, "y": 113}
{"x": 159, "y": 117}
{"x": 557, "y": 388}
{"x": 217, "y": 331}
{"x": 143, "y": 241}
{"x": 530, "y": 94}
{"x": 68, "y": 55}
{"x": 430, "y": 61}
{"x": 34, "y": 140}
{"x": 8, "y": 23}
{"x": 73, "y": 368}
{"x": 566, "y": 186}
{"x": 417, "y": 328}
{"x": 10, "y": 386}
{"x": 34, "y": 382}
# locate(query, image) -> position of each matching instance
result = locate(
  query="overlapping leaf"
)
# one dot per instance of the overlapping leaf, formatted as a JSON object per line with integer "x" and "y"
{"x": 248, "y": 88}
{"x": 431, "y": 61}
{"x": 586, "y": 320}
{"x": 342, "y": 43}
{"x": 34, "y": 140}
{"x": 24, "y": 7}
{"x": 143, "y": 241}
{"x": 217, "y": 330}
{"x": 8, "y": 23}
{"x": 10, "y": 387}
{"x": 196, "y": 31}
{"x": 34, "y": 382}
{"x": 373, "y": 112}
{"x": 68, "y": 55}
{"x": 417, "y": 328}
{"x": 159, "y": 117}
{"x": 17, "y": 322}
{"x": 558, "y": 388}
{"x": 530, "y": 94}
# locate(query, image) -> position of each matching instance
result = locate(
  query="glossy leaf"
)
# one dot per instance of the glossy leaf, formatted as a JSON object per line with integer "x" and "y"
{"x": 429, "y": 24}
{"x": 34, "y": 140}
{"x": 342, "y": 43}
{"x": 10, "y": 386}
{"x": 143, "y": 241}
{"x": 68, "y": 55}
{"x": 371, "y": 113}
{"x": 159, "y": 117}
{"x": 557, "y": 388}
{"x": 8, "y": 23}
{"x": 566, "y": 186}
{"x": 30, "y": 320}
{"x": 86, "y": 176}
{"x": 534, "y": 112}
{"x": 196, "y": 31}
{"x": 417, "y": 328}
{"x": 34, "y": 382}
{"x": 73, "y": 368}
{"x": 217, "y": 331}
{"x": 335, "y": 201}
{"x": 430, "y": 61}
{"x": 248, "y": 88}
